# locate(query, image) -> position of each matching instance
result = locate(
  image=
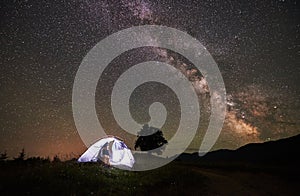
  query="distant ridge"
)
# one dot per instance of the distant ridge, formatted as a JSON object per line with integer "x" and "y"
{"x": 283, "y": 151}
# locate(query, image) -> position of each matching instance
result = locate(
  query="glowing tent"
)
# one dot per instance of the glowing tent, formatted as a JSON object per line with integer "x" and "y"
{"x": 111, "y": 151}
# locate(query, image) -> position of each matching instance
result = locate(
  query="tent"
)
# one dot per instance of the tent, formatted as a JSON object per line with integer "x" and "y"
{"x": 109, "y": 150}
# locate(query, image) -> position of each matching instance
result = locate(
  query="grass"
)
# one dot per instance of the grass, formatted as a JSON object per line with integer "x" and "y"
{"x": 36, "y": 176}
{"x": 71, "y": 178}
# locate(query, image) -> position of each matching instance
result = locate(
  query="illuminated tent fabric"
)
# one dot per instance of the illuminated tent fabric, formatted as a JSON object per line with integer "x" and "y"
{"x": 119, "y": 153}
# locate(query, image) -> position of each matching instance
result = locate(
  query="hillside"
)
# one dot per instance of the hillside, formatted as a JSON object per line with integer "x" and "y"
{"x": 254, "y": 169}
{"x": 284, "y": 151}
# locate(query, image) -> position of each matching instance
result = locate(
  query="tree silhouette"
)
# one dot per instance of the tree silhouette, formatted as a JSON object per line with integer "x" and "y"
{"x": 150, "y": 138}
{"x": 56, "y": 159}
{"x": 21, "y": 156}
{"x": 3, "y": 156}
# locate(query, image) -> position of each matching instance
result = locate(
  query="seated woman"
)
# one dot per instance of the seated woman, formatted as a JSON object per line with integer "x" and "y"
{"x": 104, "y": 154}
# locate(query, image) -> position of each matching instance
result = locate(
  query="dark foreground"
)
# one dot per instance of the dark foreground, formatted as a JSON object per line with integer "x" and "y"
{"x": 42, "y": 177}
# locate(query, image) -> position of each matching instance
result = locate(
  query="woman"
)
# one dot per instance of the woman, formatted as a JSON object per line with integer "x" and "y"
{"x": 105, "y": 153}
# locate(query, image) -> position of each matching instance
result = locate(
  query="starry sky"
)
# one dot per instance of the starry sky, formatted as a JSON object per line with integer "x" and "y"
{"x": 255, "y": 44}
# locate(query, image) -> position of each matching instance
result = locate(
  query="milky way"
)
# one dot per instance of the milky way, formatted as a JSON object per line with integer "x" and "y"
{"x": 255, "y": 44}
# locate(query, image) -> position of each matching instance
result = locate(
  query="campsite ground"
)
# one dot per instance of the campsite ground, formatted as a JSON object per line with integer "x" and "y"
{"x": 42, "y": 177}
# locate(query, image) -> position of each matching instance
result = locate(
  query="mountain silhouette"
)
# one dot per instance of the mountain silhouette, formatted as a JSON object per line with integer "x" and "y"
{"x": 283, "y": 151}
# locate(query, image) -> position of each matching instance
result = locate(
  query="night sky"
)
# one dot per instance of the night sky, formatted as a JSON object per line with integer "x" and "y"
{"x": 255, "y": 44}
